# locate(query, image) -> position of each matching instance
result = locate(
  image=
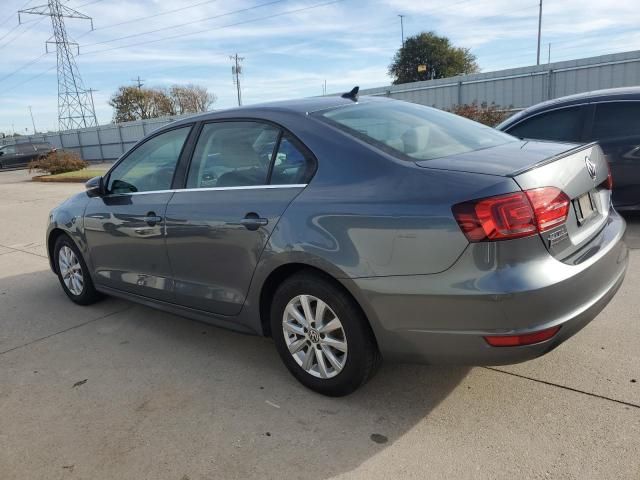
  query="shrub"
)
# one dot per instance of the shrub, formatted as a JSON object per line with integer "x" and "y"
{"x": 59, "y": 161}
{"x": 488, "y": 114}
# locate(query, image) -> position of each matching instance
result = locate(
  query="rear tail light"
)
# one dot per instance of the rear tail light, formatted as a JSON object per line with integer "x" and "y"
{"x": 519, "y": 340}
{"x": 550, "y": 205}
{"x": 513, "y": 215}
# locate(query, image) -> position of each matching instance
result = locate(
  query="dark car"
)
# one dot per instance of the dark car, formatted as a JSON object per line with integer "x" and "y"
{"x": 351, "y": 231}
{"x": 610, "y": 117}
{"x": 20, "y": 154}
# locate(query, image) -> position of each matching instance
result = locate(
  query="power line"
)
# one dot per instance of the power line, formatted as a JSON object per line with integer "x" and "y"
{"x": 11, "y": 16}
{"x": 19, "y": 69}
{"x": 166, "y": 12}
{"x": 29, "y": 79}
{"x": 258, "y": 19}
{"x": 10, "y": 31}
{"x": 171, "y": 27}
{"x": 88, "y": 3}
{"x": 35, "y": 22}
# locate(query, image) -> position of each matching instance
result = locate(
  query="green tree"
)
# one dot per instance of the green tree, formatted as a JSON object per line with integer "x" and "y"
{"x": 437, "y": 53}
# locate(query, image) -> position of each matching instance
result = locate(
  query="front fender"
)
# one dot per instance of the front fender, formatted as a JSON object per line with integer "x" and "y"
{"x": 68, "y": 218}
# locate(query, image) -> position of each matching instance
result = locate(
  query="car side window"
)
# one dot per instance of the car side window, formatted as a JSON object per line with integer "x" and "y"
{"x": 564, "y": 125}
{"x": 25, "y": 148}
{"x": 232, "y": 154}
{"x": 151, "y": 165}
{"x": 616, "y": 119}
{"x": 9, "y": 150}
{"x": 291, "y": 165}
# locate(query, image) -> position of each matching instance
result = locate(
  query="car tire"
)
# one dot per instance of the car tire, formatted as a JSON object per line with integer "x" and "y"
{"x": 335, "y": 354}
{"x": 73, "y": 273}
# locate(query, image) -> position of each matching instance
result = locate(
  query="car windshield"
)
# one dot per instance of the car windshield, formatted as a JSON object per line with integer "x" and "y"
{"x": 413, "y": 132}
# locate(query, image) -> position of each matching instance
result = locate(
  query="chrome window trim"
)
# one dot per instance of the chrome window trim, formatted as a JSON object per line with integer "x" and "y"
{"x": 211, "y": 189}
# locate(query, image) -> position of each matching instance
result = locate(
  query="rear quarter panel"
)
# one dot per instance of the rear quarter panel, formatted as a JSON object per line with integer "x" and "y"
{"x": 369, "y": 214}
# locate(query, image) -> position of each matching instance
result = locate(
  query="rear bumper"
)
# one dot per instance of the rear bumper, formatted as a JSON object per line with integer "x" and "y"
{"x": 503, "y": 288}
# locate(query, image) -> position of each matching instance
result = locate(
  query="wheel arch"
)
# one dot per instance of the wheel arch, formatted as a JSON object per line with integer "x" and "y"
{"x": 282, "y": 272}
{"x": 52, "y": 238}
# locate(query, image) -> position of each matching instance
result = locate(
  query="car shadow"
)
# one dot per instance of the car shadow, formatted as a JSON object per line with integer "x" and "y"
{"x": 632, "y": 235}
{"x": 209, "y": 402}
{"x": 298, "y": 429}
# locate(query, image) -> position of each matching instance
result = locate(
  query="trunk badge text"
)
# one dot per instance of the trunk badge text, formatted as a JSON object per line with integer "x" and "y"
{"x": 591, "y": 167}
{"x": 557, "y": 236}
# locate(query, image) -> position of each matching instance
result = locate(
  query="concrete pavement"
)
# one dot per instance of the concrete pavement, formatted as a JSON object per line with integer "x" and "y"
{"x": 118, "y": 390}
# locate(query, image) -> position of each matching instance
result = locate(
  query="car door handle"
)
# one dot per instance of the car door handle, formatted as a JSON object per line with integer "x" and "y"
{"x": 252, "y": 221}
{"x": 151, "y": 219}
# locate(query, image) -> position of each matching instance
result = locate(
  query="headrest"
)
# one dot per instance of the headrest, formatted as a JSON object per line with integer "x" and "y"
{"x": 416, "y": 139}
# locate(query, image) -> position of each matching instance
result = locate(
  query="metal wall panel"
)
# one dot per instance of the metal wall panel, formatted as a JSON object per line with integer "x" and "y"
{"x": 519, "y": 88}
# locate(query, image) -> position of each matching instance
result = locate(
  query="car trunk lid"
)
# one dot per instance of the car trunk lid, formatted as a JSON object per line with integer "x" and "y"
{"x": 502, "y": 160}
{"x": 580, "y": 173}
{"x": 578, "y": 170}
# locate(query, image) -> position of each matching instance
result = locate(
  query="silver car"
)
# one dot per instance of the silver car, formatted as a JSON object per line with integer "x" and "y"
{"x": 351, "y": 230}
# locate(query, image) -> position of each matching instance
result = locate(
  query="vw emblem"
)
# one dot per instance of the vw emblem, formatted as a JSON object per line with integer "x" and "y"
{"x": 591, "y": 167}
{"x": 314, "y": 335}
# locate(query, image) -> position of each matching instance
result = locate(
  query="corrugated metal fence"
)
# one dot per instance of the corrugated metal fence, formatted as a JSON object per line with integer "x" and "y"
{"x": 518, "y": 88}
{"x": 106, "y": 142}
{"x": 515, "y": 89}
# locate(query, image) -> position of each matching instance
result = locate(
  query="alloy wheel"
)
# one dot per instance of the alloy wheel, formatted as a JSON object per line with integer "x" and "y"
{"x": 314, "y": 336}
{"x": 70, "y": 270}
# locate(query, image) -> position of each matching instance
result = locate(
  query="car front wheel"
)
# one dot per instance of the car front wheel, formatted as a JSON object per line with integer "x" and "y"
{"x": 73, "y": 272}
{"x": 322, "y": 335}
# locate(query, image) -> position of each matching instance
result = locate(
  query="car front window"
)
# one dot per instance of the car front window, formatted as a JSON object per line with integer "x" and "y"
{"x": 413, "y": 132}
{"x": 150, "y": 167}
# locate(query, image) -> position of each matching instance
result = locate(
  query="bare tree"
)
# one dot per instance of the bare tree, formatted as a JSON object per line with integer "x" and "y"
{"x": 191, "y": 98}
{"x": 133, "y": 103}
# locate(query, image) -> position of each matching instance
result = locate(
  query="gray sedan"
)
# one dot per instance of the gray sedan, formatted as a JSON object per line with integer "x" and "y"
{"x": 351, "y": 230}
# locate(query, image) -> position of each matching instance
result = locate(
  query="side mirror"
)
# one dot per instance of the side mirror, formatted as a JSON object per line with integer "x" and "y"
{"x": 95, "y": 187}
{"x": 1, "y": 152}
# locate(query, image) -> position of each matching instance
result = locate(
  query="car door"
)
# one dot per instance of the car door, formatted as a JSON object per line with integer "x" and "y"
{"x": 564, "y": 124}
{"x": 8, "y": 157}
{"x": 125, "y": 227}
{"x": 25, "y": 152}
{"x": 616, "y": 127}
{"x": 242, "y": 176}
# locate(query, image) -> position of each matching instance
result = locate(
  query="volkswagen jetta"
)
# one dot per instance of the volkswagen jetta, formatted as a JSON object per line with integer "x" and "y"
{"x": 352, "y": 230}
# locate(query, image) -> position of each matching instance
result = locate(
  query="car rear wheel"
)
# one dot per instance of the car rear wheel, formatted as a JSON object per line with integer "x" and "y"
{"x": 322, "y": 335}
{"x": 73, "y": 272}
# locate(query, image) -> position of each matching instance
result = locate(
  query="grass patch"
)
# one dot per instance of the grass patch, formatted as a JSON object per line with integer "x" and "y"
{"x": 78, "y": 176}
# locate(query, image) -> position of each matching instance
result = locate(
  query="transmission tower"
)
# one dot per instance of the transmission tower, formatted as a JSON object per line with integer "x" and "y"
{"x": 75, "y": 109}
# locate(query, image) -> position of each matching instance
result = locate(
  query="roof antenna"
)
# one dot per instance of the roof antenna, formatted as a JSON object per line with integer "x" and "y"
{"x": 352, "y": 95}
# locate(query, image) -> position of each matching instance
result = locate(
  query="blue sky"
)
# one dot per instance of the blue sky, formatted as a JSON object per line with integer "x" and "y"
{"x": 290, "y": 46}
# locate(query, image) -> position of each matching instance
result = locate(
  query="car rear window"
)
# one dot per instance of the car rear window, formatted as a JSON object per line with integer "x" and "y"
{"x": 413, "y": 132}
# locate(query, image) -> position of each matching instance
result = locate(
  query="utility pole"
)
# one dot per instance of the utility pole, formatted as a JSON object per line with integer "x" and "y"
{"x": 539, "y": 31}
{"x": 549, "y": 57}
{"x": 402, "y": 28}
{"x": 236, "y": 71}
{"x": 32, "y": 121}
{"x": 138, "y": 81}
{"x": 74, "y": 107}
